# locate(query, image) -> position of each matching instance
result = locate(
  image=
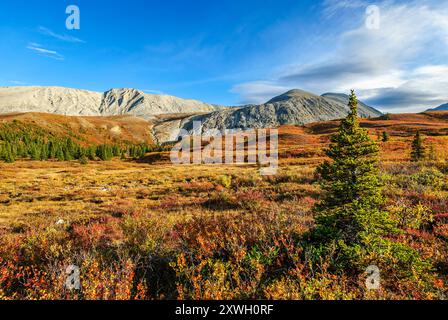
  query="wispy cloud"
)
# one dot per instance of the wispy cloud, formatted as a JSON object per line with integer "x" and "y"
{"x": 400, "y": 67}
{"x": 18, "y": 83}
{"x": 37, "y": 48}
{"x": 149, "y": 91}
{"x": 421, "y": 89}
{"x": 62, "y": 37}
{"x": 331, "y": 7}
{"x": 258, "y": 91}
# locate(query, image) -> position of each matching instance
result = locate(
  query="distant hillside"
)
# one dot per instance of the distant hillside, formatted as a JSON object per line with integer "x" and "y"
{"x": 365, "y": 111}
{"x": 72, "y": 102}
{"x": 443, "y": 107}
{"x": 87, "y": 130}
{"x": 405, "y": 124}
{"x": 295, "y": 107}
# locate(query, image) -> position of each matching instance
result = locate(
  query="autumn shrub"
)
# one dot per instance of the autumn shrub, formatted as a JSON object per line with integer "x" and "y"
{"x": 232, "y": 257}
{"x": 196, "y": 187}
{"x": 111, "y": 281}
{"x": 83, "y": 160}
{"x": 151, "y": 243}
{"x": 252, "y": 180}
{"x": 102, "y": 234}
{"x": 220, "y": 200}
{"x": 19, "y": 227}
{"x": 170, "y": 202}
{"x": 122, "y": 208}
{"x": 423, "y": 180}
{"x": 143, "y": 234}
{"x": 33, "y": 266}
{"x": 225, "y": 181}
{"x": 413, "y": 217}
{"x": 430, "y": 177}
{"x": 250, "y": 200}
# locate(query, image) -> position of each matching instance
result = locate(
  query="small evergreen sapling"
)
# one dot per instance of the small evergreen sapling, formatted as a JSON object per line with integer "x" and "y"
{"x": 352, "y": 230}
{"x": 418, "y": 149}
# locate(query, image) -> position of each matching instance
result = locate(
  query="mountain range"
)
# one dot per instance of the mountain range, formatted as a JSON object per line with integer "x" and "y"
{"x": 166, "y": 114}
{"x": 295, "y": 107}
{"x": 75, "y": 102}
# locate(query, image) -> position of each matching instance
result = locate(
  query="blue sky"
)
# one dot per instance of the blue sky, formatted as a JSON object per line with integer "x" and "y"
{"x": 231, "y": 51}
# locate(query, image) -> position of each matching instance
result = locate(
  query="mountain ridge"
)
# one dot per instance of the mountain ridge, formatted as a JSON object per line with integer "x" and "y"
{"x": 294, "y": 107}
{"x": 73, "y": 102}
{"x": 344, "y": 99}
{"x": 442, "y": 107}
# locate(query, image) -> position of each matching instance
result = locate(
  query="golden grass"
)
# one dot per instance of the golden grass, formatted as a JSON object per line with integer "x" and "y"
{"x": 179, "y": 212}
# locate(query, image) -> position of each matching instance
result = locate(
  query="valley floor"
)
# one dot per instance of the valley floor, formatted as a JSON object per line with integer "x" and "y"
{"x": 155, "y": 231}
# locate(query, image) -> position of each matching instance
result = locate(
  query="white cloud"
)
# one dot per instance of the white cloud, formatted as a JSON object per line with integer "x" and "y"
{"x": 398, "y": 67}
{"x": 425, "y": 87}
{"x": 331, "y": 7}
{"x": 18, "y": 83}
{"x": 258, "y": 91}
{"x": 149, "y": 91}
{"x": 37, "y": 48}
{"x": 62, "y": 37}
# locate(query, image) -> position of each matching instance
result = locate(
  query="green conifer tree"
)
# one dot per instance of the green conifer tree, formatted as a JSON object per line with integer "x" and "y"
{"x": 53, "y": 149}
{"x": 90, "y": 153}
{"x": 351, "y": 229}
{"x": 418, "y": 149}
{"x": 44, "y": 154}
{"x": 116, "y": 151}
{"x": 60, "y": 154}
{"x": 35, "y": 152}
{"x": 9, "y": 154}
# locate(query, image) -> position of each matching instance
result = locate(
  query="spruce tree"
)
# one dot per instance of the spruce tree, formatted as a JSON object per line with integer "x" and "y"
{"x": 432, "y": 154}
{"x": 35, "y": 152}
{"x": 116, "y": 151}
{"x": 9, "y": 153}
{"x": 60, "y": 154}
{"x": 44, "y": 154}
{"x": 67, "y": 154}
{"x": 418, "y": 149}
{"x": 104, "y": 152}
{"x": 386, "y": 136}
{"x": 351, "y": 228}
{"x": 352, "y": 175}
{"x": 53, "y": 149}
{"x": 90, "y": 153}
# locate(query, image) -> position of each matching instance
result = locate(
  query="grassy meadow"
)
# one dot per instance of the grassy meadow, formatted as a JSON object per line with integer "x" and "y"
{"x": 153, "y": 230}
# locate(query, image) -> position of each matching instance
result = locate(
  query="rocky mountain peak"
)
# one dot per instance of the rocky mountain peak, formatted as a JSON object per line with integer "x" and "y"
{"x": 73, "y": 102}
{"x": 292, "y": 94}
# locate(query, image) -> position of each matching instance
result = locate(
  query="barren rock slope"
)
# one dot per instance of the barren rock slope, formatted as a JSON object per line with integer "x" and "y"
{"x": 67, "y": 101}
{"x": 295, "y": 107}
{"x": 49, "y": 100}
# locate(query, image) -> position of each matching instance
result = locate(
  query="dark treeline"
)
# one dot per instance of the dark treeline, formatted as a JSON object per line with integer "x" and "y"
{"x": 21, "y": 141}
